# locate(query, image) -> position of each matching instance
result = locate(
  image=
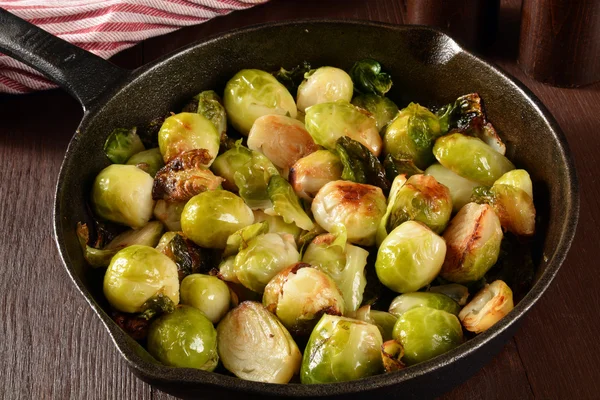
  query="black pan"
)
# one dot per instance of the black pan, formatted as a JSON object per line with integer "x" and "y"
{"x": 427, "y": 67}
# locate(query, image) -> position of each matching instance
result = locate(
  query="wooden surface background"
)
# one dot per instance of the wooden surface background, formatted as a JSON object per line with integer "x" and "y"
{"x": 53, "y": 347}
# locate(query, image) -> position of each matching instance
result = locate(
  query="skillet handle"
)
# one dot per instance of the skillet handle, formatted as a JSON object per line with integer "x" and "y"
{"x": 81, "y": 73}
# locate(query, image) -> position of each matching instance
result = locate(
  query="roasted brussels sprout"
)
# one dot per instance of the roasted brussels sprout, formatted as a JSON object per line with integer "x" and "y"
{"x": 292, "y": 78}
{"x": 341, "y": 349}
{"x": 210, "y": 217}
{"x": 455, "y": 291}
{"x": 184, "y": 338}
{"x": 327, "y": 122}
{"x": 311, "y": 173}
{"x": 425, "y": 332}
{"x": 411, "y": 135}
{"x": 255, "y": 346}
{"x": 169, "y": 213}
{"x": 344, "y": 262}
{"x": 461, "y": 189}
{"x": 184, "y": 177}
{"x": 248, "y": 172}
{"x": 188, "y": 131}
{"x": 239, "y": 239}
{"x": 410, "y": 257}
{"x": 392, "y": 353}
{"x": 138, "y": 273}
{"x": 324, "y": 85}
{"x": 408, "y": 301}
{"x": 421, "y": 199}
{"x": 282, "y": 139}
{"x": 511, "y": 200}
{"x": 368, "y": 77}
{"x": 285, "y": 203}
{"x": 187, "y": 255}
{"x": 276, "y": 224}
{"x": 471, "y": 158}
{"x": 149, "y": 235}
{"x": 488, "y": 306}
{"x": 381, "y": 319}
{"x": 121, "y": 144}
{"x": 264, "y": 256}
{"x": 299, "y": 295}
{"x": 148, "y": 160}
{"x": 123, "y": 194}
{"x": 207, "y": 293}
{"x": 210, "y": 106}
{"x": 466, "y": 115}
{"x": 360, "y": 165}
{"x": 357, "y": 206}
{"x": 383, "y": 109}
{"x": 252, "y": 93}
{"x": 473, "y": 239}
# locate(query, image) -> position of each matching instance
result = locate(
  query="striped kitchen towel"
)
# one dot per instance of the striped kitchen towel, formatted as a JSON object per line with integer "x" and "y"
{"x": 104, "y": 27}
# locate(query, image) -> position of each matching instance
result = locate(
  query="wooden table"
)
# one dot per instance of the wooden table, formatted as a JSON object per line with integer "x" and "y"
{"x": 52, "y": 346}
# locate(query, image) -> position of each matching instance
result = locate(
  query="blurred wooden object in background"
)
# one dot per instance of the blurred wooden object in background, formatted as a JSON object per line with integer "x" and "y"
{"x": 473, "y": 23}
{"x": 560, "y": 41}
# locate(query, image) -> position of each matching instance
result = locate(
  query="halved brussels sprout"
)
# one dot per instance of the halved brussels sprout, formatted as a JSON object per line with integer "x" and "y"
{"x": 471, "y": 158}
{"x": 488, "y": 306}
{"x": 169, "y": 213}
{"x": 311, "y": 173}
{"x": 182, "y": 178}
{"x": 383, "y": 109}
{"x": 285, "y": 203}
{"x": 341, "y": 349}
{"x": 344, "y": 262}
{"x": 207, "y": 293}
{"x": 381, "y": 319}
{"x": 149, "y": 235}
{"x": 410, "y": 257}
{"x": 425, "y": 332}
{"x": 210, "y": 217}
{"x": 252, "y": 93}
{"x": 121, "y": 144}
{"x": 473, "y": 239}
{"x": 510, "y": 199}
{"x": 184, "y": 338}
{"x": 148, "y": 160}
{"x": 368, "y": 77}
{"x": 411, "y": 135}
{"x": 455, "y": 291}
{"x": 188, "y": 131}
{"x": 248, "y": 172}
{"x": 282, "y": 139}
{"x": 277, "y": 224}
{"x": 408, "y": 301}
{"x": 138, "y": 273}
{"x": 461, "y": 189}
{"x": 263, "y": 258}
{"x": 392, "y": 353}
{"x": 357, "y": 206}
{"x": 324, "y": 85}
{"x": 123, "y": 194}
{"x": 421, "y": 199}
{"x": 255, "y": 346}
{"x": 299, "y": 295}
{"x": 327, "y": 122}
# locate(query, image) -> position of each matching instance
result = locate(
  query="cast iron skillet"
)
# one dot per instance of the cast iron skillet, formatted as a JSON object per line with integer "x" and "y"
{"x": 427, "y": 67}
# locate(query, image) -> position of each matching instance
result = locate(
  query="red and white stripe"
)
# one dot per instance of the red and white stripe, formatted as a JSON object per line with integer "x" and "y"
{"x": 104, "y": 27}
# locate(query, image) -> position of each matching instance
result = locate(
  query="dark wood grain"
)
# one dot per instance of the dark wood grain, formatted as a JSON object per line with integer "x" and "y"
{"x": 52, "y": 346}
{"x": 560, "y": 41}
